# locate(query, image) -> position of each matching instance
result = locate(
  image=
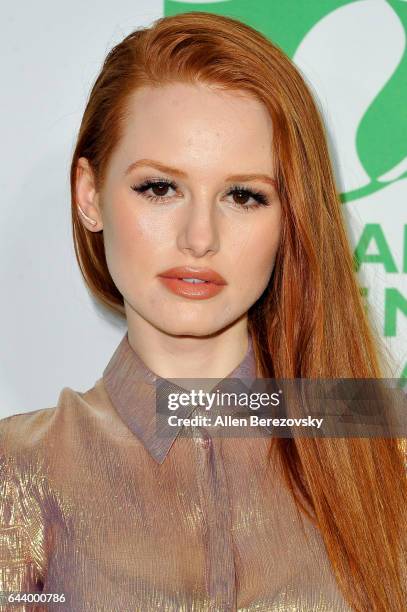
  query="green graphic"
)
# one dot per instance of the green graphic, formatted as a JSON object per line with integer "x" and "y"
{"x": 381, "y": 138}
{"x": 373, "y": 233}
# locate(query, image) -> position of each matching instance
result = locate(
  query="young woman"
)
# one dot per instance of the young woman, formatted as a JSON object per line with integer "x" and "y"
{"x": 201, "y": 155}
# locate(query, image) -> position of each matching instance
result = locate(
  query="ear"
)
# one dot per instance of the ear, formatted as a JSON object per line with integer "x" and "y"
{"x": 86, "y": 196}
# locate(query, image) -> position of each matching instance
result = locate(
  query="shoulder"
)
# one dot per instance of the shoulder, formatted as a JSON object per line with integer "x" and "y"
{"x": 24, "y": 424}
{"x": 27, "y": 432}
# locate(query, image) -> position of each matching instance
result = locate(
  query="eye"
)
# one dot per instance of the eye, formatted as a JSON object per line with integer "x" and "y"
{"x": 160, "y": 188}
{"x": 243, "y": 193}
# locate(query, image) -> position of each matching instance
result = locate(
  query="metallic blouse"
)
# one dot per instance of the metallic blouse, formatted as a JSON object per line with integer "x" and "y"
{"x": 100, "y": 511}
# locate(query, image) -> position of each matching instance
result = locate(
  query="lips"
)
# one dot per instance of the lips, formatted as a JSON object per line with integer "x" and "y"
{"x": 204, "y": 274}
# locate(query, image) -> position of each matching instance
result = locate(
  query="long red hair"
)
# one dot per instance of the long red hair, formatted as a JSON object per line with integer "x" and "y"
{"x": 311, "y": 320}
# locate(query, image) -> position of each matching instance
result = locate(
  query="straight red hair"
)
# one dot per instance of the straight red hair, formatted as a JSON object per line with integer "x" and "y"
{"x": 311, "y": 320}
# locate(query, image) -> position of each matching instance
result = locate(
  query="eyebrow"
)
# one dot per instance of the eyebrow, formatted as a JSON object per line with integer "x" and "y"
{"x": 183, "y": 175}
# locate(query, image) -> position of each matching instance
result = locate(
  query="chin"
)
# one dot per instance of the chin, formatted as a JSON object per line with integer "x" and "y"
{"x": 197, "y": 330}
{"x": 180, "y": 327}
{"x": 180, "y": 321}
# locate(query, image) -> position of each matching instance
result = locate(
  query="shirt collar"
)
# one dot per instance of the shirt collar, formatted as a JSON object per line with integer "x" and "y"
{"x": 130, "y": 385}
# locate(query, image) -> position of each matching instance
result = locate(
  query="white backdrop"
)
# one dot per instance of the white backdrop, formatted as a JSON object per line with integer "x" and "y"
{"x": 53, "y": 334}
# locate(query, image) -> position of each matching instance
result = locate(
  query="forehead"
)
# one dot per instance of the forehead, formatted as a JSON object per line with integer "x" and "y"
{"x": 196, "y": 123}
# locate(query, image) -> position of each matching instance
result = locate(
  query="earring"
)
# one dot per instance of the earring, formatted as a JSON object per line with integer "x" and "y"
{"x": 86, "y": 216}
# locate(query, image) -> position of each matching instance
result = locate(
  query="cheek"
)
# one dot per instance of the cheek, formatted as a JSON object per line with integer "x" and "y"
{"x": 256, "y": 251}
{"x": 130, "y": 239}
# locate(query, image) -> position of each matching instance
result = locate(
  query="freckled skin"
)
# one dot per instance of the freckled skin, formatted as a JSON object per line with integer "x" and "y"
{"x": 208, "y": 134}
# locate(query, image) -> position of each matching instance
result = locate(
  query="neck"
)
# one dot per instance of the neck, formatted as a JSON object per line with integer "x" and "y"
{"x": 186, "y": 356}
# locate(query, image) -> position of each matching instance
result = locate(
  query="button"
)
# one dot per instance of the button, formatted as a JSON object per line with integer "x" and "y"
{"x": 206, "y": 440}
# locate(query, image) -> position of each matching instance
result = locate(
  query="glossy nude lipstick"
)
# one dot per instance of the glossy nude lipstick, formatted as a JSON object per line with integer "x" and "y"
{"x": 193, "y": 283}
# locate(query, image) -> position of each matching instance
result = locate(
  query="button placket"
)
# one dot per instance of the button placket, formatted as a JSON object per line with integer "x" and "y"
{"x": 214, "y": 498}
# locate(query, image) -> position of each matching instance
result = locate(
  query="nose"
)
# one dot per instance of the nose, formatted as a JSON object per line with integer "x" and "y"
{"x": 199, "y": 231}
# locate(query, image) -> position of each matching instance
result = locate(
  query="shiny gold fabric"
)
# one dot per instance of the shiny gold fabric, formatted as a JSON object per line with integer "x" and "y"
{"x": 96, "y": 505}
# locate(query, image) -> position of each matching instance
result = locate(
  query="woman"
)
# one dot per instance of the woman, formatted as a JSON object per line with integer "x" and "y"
{"x": 201, "y": 154}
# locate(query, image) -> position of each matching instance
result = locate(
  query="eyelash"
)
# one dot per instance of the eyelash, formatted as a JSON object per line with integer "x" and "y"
{"x": 258, "y": 196}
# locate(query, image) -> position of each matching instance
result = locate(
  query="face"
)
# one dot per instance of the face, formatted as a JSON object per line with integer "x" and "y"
{"x": 172, "y": 197}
